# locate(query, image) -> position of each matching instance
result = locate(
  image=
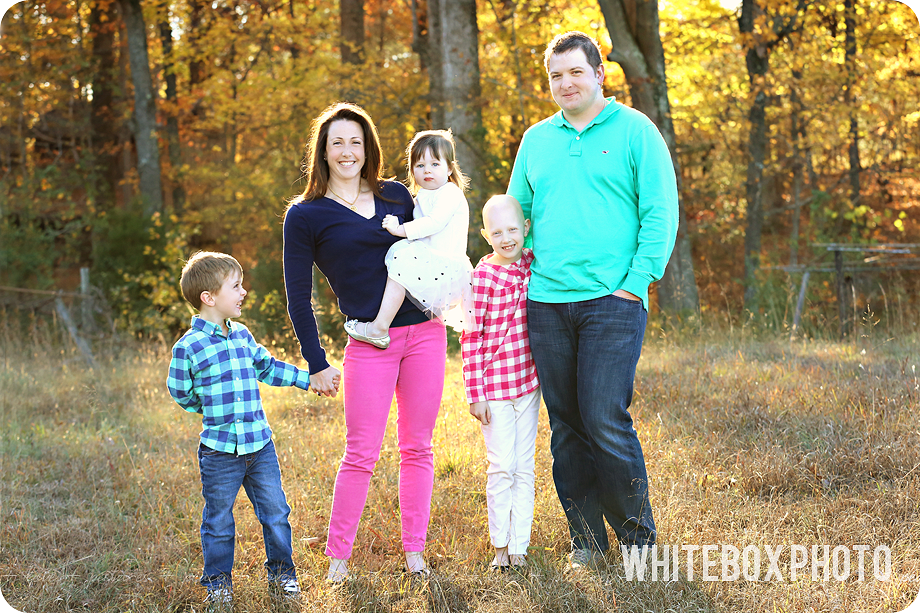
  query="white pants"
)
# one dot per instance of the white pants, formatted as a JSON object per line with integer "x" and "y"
{"x": 510, "y": 439}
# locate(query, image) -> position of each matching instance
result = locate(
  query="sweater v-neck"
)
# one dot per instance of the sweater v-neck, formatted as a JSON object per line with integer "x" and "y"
{"x": 349, "y": 209}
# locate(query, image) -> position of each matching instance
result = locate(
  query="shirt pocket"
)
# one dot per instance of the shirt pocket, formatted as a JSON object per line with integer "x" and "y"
{"x": 212, "y": 371}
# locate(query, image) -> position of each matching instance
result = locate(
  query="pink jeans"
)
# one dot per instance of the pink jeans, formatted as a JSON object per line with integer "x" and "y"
{"x": 413, "y": 367}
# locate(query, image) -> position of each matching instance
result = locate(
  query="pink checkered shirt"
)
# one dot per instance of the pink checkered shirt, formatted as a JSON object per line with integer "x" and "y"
{"x": 497, "y": 364}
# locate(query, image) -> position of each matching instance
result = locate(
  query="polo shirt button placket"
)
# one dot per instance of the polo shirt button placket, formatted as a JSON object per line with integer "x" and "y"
{"x": 575, "y": 147}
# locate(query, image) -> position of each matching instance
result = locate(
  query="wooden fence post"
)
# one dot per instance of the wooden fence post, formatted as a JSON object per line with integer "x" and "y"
{"x": 800, "y": 303}
{"x": 841, "y": 293}
{"x": 64, "y": 314}
{"x": 86, "y": 306}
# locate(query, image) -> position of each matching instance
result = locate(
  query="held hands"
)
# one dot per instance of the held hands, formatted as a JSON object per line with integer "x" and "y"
{"x": 480, "y": 410}
{"x": 391, "y": 224}
{"x": 326, "y": 382}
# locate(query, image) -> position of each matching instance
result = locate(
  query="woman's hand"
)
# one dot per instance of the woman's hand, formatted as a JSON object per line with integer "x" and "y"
{"x": 326, "y": 382}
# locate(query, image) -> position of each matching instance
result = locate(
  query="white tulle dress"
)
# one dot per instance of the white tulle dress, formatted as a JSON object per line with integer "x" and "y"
{"x": 432, "y": 263}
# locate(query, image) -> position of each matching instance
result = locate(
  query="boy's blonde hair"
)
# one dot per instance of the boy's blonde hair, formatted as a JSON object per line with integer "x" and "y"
{"x": 206, "y": 271}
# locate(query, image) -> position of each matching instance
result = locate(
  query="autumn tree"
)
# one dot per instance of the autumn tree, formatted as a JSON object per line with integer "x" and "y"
{"x": 352, "y": 31}
{"x": 145, "y": 120}
{"x": 455, "y": 88}
{"x": 634, "y": 34}
{"x": 171, "y": 110}
{"x": 103, "y": 21}
{"x": 236, "y": 85}
{"x": 762, "y": 29}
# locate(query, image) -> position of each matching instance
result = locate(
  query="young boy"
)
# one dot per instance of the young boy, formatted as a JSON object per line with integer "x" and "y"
{"x": 214, "y": 371}
{"x": 501, "y": 378}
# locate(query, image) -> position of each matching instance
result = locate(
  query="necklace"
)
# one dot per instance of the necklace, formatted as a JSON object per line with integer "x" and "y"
{"x": 351, "y": 205}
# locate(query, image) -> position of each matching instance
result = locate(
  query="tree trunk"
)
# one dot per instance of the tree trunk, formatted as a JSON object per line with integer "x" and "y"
{"x": 420, "y": 42}
{"x": 172, "y": 121}
{"x": 125, "y": 146}
{"x": 850, "y": 98}
{"x": 798, "y": 167}
{"x": 454, "y": 85}
{"x": 145, "y": 128}
{"x": 196, "y": 72}
{"x": 103, "y": 25}
{"x": 352, "y": 31}
{"x": 634, "y": 30}
{"x": 757, "y": 58}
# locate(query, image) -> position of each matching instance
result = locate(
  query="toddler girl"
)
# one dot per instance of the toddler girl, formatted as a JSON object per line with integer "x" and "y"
{"x": 431, "y": 267}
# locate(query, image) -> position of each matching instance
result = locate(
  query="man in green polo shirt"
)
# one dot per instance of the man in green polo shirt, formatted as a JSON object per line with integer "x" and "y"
{"x": 597, "y": 182}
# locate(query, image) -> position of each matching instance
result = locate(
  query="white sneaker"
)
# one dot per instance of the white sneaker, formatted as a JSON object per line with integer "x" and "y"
{"x": 338, "y": 571}
{"x": 416, "y": 566}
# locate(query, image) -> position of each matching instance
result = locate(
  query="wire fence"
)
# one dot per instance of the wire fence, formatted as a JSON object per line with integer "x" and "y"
{"x": 83, "y": 316}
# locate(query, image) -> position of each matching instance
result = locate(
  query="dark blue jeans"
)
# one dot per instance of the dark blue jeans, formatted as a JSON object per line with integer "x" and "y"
{"x": 222, "y": 474}
{"x": 586, "y": 354}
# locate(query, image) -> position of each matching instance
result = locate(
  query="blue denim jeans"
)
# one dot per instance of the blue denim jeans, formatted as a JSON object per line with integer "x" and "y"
{"x": 586, "y": 354}
{"x": 222, "y": 474}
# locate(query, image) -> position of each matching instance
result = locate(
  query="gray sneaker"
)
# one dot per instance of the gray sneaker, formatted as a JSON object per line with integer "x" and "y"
{"x": 219, "y": 600}
{"x": 286, "y": 589}
{"x": 581, "y": 560}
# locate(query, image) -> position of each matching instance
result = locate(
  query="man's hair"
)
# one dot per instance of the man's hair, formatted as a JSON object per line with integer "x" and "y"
{"x": 206, "y": 271}
{"x": 569, "y": 41}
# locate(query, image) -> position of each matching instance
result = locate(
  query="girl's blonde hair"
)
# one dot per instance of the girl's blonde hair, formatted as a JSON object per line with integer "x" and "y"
{"x": 440, "y": 143}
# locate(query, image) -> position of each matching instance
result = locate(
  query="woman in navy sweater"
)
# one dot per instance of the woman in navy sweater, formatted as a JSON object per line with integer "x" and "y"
{"x": 337, "y": 224}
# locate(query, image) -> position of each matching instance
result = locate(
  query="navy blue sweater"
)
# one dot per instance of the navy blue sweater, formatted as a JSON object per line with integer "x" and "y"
{"x": 349, "y": 250}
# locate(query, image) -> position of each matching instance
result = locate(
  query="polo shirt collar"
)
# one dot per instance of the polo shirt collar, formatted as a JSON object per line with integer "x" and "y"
{"x": 209, "y": 328}
{"x": 611, "y": 107}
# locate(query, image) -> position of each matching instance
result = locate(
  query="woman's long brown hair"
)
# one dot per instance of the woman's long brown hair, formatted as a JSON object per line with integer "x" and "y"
{"x": 316, "y": 169}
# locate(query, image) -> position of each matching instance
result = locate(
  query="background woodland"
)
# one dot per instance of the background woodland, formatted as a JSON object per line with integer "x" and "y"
{"x": 135, "y": 133}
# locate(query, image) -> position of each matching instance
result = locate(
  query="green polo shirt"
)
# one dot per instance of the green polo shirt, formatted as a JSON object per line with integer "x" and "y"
{"x": 602, "y": 204}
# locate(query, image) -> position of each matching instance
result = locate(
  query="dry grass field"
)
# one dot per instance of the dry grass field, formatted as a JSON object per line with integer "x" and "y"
{"x": 749, "y": 442}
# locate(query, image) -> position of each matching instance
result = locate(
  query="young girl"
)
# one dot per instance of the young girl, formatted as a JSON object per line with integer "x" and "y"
{"x": 500, "y": 378}
{"x": 431, "y": 268}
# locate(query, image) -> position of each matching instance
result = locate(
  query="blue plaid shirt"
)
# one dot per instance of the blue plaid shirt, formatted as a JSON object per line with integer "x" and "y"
{"x": 216, "y": 375}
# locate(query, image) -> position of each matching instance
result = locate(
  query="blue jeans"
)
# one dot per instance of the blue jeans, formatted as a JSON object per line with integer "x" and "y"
{"x": 222, "y": 474}
{"x": 586, "y": 354}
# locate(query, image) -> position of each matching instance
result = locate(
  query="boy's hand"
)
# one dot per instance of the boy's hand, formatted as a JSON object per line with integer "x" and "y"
{"x": 326, "y": 382}
{"x": 480, "y": 410}
{"x": 391, "y": 224}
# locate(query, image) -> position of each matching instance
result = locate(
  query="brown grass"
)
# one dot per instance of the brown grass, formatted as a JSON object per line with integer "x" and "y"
{"x": 748, "y": 442}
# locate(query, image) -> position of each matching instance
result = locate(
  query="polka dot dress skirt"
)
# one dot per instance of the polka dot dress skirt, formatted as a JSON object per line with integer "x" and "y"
{"x": 439, "y": 283}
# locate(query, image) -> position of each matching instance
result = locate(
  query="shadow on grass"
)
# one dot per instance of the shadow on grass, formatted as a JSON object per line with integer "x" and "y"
{"x": 551, "y": 587}
{"x": 399, "y": 592}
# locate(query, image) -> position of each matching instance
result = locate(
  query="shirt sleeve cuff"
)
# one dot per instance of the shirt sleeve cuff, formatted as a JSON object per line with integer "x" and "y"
{"x": 410, "y": 229}
{"x": 637, "y": 283}
{"x": 303, "y": 380}
{"x": 475, "y": 395}
{"x": 319, "y": 366}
